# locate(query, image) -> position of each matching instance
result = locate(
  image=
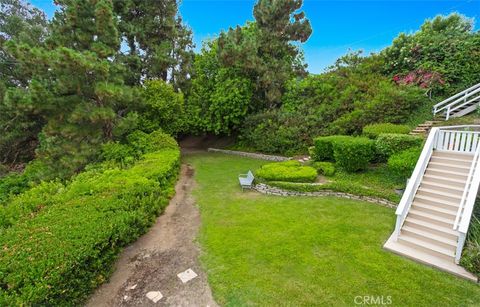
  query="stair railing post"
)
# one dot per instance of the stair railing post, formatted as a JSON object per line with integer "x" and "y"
{"x": 460, "y": 243}
{"x": 448, "y": 113}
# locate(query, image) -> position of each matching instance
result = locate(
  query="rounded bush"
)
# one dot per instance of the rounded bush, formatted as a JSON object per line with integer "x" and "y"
{"x": 353, "y": 153}
{"x": 374, "y": 130}
{"x": 291, "y": 171}
{"x": 324, "y": 168}
{"x": 324, "y": 147}
{"x": 388, "y": 144}
{"x": 403, "y": 163}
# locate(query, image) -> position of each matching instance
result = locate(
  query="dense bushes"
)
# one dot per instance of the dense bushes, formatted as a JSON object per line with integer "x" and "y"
{"x": 353, "y": 154}
{"x": 59, "y": 241}
{"x": 162, "y": 108}
{"x": 403, "y": 163}
{"x": 471, "y": 251}
{"x": 374, "y": 130}
{"x": 389, "y": 143}
{"x": 291, "y": 171}
{"x": 323, "y": 149}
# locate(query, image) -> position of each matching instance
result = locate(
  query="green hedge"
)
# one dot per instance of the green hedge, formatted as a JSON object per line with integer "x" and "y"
{"x": 323, "y": 149}
{"x": 374, "y": 130}
{"x": 353, "y": 153}
{"x": 63, "y": 247}
{"x": 324, "y": 168}
{"x": 388, "y": 144}
{"x": 403, "y": 163}
{"x": 292, "y": 171}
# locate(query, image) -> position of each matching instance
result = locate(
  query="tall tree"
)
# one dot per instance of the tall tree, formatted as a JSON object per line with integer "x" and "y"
{"x": 159, "y": 44}
{"x": 76, "y": 84}
{"x": 265, "y": 51}
{"x": 19, "y": 122}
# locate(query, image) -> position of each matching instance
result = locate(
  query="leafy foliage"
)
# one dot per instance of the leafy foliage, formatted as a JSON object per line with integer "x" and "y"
{"x": 265, "y": 51}
{"x": 159, "y": 43}
{"x": 324, "y": 147}
{"x": 403, "y": 163}
{"x": 388, "y": 144}
{"x": 374, "y": 130}
{"x": 291, "y": 171}
{"x": 219, "y": 98}
{"x": 445, "y": 46}
{"x": 471, "y": 251}
{"x": 324, "y": 168}
{"x": 99, "y": 212}
{"x": 353, "y": 154}
{"x": 163, "y": 108}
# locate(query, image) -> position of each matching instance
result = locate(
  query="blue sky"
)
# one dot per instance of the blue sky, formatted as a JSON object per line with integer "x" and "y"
{"x": 337, "y": 25}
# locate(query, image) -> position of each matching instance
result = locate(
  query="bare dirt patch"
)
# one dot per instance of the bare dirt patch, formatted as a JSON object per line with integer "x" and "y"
{"x": 153, "y": 261}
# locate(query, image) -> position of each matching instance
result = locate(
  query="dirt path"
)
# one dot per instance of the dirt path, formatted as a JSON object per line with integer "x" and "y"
{"x": 154, "y": 260}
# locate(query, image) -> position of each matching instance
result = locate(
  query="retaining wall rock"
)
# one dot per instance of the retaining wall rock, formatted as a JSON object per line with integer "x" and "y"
{"x": 266, "y": 189}
{"x": 250, "y": 155}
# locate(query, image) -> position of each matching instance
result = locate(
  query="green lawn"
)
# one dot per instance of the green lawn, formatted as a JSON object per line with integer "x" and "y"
{"x": 270, "y": 251}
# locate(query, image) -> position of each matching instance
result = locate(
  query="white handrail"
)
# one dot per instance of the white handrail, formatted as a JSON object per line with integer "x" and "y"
{"x": 465, "y": 216}
{"x": 467, "y": 188}
{"x": 415, "y": 180}
{"x": 455, "y": 96}
{"x": 462, "y": 98}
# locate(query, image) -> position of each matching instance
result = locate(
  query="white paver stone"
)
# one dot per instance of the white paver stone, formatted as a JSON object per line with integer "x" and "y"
{"x": 154, "y": 296}
{"x": 187, "y": 275}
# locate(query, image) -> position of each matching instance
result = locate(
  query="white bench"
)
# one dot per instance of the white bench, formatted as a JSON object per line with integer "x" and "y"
{"x": 246, "y": 180}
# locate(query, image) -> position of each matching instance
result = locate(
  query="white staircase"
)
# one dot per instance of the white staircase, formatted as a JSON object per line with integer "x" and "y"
{"x": 435, "y": 211}
{"x": 460, "y": 104}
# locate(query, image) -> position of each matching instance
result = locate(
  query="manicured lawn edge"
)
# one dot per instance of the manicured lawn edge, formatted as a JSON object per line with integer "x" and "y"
{"x": 58, "y": 255}
{"x": 278, "y": 190}
{"x": 349, "y": 188}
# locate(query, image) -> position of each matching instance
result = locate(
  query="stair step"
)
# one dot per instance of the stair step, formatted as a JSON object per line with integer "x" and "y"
{"x": 425, "y": 258}
{"x": 419, "y": 130}
{"x": 457, "y": 195}
{"x": 445, "y": 232}
{"x": 434, "y": 209}
{"x": 454, "y": 155}
{"x": 446, "y": 174}
{"x": 428, "y": 247}
{"x": 436, "y": 202}
{"x": 430, "y": 237}
{"x": 431, "y": 218}
{"x": 440, "y": 196}
{"x": 451, "y": 161}
{"x": 433, "y": 185}
{"x": 449, "y": 167}
{"x": 445, "y": 180}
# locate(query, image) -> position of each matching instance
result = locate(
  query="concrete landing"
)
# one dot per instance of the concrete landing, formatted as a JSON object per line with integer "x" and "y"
{"x": 427, "y": 259}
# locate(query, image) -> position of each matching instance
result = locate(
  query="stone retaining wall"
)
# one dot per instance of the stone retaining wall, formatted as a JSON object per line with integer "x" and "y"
{"x": 250, "y": 155}
{"x": 266, "y": 189}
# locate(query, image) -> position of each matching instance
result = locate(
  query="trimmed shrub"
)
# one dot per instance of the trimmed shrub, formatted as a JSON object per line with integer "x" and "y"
{"x": 291, "y": 171}
{"x": 353, "y": 153}
{"x": 61, "y": 245}
{"x": 403, "y": 163}
{"x": 324, "y": 147}
{"x": 388, "y": 144}
{"x": 374, "y": 130}
{"x": 324, "y": 168}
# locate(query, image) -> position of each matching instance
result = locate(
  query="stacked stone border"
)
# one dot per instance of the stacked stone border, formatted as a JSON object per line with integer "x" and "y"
{"x": 250, "y": 154}
{"x": 267, "y": 189}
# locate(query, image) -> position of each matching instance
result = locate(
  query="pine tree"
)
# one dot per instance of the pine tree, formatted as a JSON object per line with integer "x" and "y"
{"x": 265, "y": 51}
{"x": 159, "y": 44}
{"x": 19, "y": 121}
{"x": 76, "y": 84}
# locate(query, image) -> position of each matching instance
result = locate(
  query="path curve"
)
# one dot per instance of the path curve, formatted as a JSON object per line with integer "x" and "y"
{"x": 154, "y": 260}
